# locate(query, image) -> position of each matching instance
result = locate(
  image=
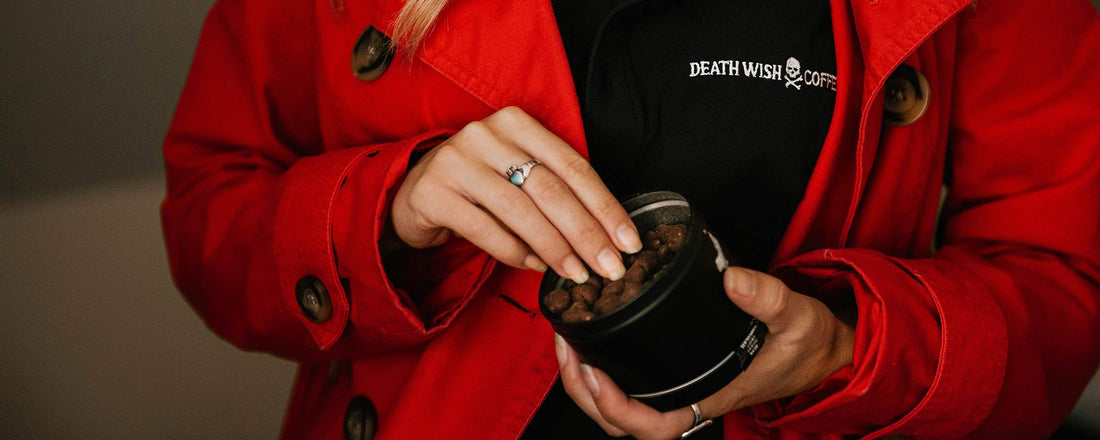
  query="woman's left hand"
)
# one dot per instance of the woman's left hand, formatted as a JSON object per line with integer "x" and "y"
{"x": 805, "y": 344}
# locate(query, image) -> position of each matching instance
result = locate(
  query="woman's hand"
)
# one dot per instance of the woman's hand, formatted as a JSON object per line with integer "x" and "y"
{"x": 562, "y": 214}
{"x": 805, "y": 344}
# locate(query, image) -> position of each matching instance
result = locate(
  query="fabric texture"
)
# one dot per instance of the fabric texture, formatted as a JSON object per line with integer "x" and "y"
{"x": 280, "y": 162}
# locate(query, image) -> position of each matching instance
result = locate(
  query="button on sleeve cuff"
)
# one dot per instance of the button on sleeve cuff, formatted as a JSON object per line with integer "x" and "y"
{"x": 304, "y": 243}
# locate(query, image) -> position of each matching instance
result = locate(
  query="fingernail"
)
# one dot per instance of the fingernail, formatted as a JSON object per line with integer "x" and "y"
{"x": 574, "y": 269}
{"x": 628, "y": 236}
{"x": 737, "y": 284}
{"x": 590, "y": 380}
{"x": 533, "y": 262}
{"x": 611, "y": 263}
{"x": 561, "y": 350}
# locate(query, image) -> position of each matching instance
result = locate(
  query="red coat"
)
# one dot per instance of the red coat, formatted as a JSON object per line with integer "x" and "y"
{"x": 281, "y": 163}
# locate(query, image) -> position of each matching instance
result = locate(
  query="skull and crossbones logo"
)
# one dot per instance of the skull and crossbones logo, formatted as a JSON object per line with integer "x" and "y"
{"x": 793, "y": 70}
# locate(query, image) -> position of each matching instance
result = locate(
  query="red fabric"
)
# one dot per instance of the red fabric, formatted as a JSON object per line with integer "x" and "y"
{"x": 281, "y": 164}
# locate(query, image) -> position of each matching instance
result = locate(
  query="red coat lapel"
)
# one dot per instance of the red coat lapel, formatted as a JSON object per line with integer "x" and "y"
{"x": 889, "y": 31}
{"x": 872, "y": 39}
{"x": 508, "y": 52}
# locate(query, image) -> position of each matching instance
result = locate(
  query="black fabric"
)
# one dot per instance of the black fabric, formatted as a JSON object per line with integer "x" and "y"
{"x": 579, "y": 22}
{"x": 694, "y": 96}
{"x": 740, "y": 148}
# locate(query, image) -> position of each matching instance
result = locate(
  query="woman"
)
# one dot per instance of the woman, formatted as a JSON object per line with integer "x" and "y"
{"x": 358, "y": 218}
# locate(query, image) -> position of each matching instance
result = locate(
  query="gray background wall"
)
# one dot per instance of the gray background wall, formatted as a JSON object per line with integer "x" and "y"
{"x": 96, "y": 342}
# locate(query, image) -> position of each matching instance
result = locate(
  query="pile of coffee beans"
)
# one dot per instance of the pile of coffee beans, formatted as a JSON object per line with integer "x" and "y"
{"x": 600, "y": 296}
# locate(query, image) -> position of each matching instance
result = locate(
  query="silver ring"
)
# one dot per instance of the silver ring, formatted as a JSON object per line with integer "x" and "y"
{"x": 517, "y": 174}
{"x": 699, "y": 423}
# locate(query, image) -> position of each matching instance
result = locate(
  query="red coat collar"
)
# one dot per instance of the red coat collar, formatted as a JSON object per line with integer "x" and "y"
{"x": 526, "y": 66}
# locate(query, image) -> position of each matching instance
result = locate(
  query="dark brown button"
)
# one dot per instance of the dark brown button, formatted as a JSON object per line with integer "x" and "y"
{"x": 313, "y": 299}
{"x": 360, "y": 420}
{"x": 907, "y": 97}
{"x": 372, "y": 55}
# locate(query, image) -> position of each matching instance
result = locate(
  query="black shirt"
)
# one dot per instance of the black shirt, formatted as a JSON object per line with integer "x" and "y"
{"x": 726, "y": 102}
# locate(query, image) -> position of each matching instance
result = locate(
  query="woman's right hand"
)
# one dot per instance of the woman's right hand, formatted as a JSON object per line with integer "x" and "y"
{"x": 562, "y": 214}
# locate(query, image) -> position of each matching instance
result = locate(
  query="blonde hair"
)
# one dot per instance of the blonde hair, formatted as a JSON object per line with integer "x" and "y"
{"x": 414, "y": 22}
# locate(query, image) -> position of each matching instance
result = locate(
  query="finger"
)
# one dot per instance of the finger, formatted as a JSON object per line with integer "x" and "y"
{"x": 583, "y": 232}
{"x": 479, "y": 228}
{"x": 532, "y": 261}
{"x": 574, "y": 386}
{"x": 764, "y": 297}
{"x": 538, "y": 142}
{"x": 478, "y": 181}
{"x": 630, "y": 415}
{"x": 519, "y": 214}
{"x": 551, "y": 199}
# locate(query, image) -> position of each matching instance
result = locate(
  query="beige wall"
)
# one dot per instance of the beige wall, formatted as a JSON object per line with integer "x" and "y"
{"x": 96, "y": 341}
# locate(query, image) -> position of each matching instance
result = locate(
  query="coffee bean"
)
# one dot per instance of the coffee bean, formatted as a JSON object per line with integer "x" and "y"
{"x": 607, "y": 304}
{"x": 600, "y": 296}
{"x": 613, "y": 288}
{"x": 628, "y": 259}
{"x": 673, "y": 235}
{"x": 636, "y": 273}
{"x": 652, "y": 240}
{"x": 630, "y": 290}
{"x": 666, "y": 253}
{"x": 577, "y": 313}
{"x": 650, "y": 260}
{"x": 557, "y": 301}
{"x": 585, "y": 293}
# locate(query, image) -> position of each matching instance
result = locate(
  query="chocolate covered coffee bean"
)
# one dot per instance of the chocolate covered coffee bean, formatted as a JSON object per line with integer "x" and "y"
{"x": 600, "y": 296}
{"x": 557, "y": 301}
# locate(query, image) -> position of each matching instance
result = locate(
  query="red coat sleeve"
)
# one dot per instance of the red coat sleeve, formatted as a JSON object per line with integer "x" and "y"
{"x": 997, "y": 334}
{"x": 254, "y": 204}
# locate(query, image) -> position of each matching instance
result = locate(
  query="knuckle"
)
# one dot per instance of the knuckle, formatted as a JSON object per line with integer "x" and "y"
{"x": 420, "y": 192}
{"x": 447, "y": 153}
{"x": 815, "y": 320}
{"x": 775, "y": 296}
{"x": 555, "y": 250}
{"x": 476, "y": 233}
{"x": 473, "y": 229}
{"x": 422, "y": 222}
{"x": 611, "y": 209}
{"x": 518, "y": 208}
{"x": 510, "y": 114}
{"x": 579, "y": 167}
{"x": 476, "y": 129}
{"x": 592, "y": 235}
{"x": 549, "y": 188}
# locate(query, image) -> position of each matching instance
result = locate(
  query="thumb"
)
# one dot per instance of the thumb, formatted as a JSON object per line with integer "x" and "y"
{"x": 761, "y": 295}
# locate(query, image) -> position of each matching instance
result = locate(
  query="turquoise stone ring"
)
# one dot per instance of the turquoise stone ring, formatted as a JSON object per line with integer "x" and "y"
{"x": 517, "y": 174}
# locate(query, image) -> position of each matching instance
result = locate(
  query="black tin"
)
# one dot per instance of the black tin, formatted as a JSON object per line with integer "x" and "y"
{"x": 681, "y": 339}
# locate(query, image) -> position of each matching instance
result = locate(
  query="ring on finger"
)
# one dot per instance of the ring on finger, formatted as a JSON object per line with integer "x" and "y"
{"x": 517, "y": 174}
